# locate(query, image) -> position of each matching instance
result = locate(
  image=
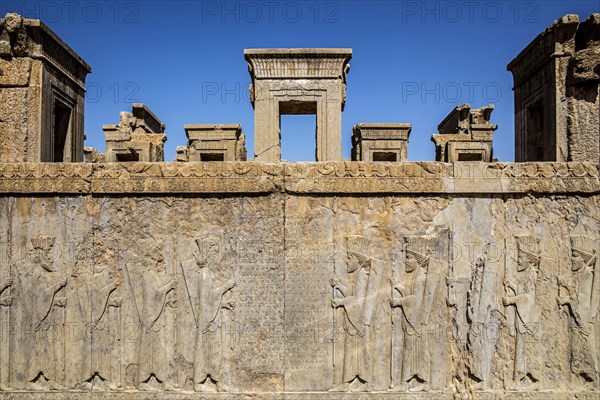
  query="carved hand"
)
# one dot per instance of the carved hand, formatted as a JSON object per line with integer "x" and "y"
{"x": 511, "y": 285}
{"x": 337, "y": 302}
{"x": 62, "y": 284}
{"x": 8, "y": 283}
{"x": 61, "y": 302}
{"x": 396, "y": 302}
{"x": 506, "y": 301}
{"x": 229, "y": 285}
{"x": 564, "y": 300}
{"x": 230, "y": 305}
{"x": 6, "y": 301}
{"x": 335, "y": 282}
{"x": 116, "y": 302}
{"x": 173, "y": 284}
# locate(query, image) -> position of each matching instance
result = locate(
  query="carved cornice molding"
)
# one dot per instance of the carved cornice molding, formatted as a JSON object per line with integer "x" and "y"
{"x": 343, "y": 177}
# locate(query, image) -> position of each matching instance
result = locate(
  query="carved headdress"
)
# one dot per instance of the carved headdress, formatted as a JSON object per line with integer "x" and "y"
{"x": 359, "y": 245}
{"x": 419, "y": 247}
{"x": 586, "y": 247}
{"x": 528, "y": 246}
{"x": 44, "y": 243}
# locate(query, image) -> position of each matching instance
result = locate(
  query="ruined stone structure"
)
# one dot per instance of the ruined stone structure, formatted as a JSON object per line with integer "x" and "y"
{"x": 465, "y": 135}
{"x": 380, "y": 142}
{"x": 298, "y": 81}
{"x": 271, "y": 280}
{"x": 556, "y": 93}
{"x": 42, "y": 89}
{"x": 139, "y": 136}
{"x": 209, "y": 142}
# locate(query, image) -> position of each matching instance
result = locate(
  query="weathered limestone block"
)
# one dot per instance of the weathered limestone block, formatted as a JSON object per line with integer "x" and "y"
{"x": 209, "y": 142}
{"x": 298, "y": 81}
{"x": 583, "y": 79}
{"x": 465, "y": 135}
{"x": 15, "y": 72}
{"x": 139, "y": 136}
{"x": 380, "y": 142}
{"x": 92, "y": 155}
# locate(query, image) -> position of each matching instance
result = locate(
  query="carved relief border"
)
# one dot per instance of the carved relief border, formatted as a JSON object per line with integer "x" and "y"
{"x": 322, "y": 177}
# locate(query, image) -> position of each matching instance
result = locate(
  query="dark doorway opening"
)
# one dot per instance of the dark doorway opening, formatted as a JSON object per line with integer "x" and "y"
{"x": 212, "y": 157}
{"x": 384, "y": 156}
{"x": 535, "y": 133}
{"x": 60, "y": 134}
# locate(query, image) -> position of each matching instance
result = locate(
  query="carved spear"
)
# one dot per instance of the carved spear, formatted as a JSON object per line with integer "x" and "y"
{"x": 133, "y": 293}
{"x": 510, "y": 317}
{"x": 187, "y": 288}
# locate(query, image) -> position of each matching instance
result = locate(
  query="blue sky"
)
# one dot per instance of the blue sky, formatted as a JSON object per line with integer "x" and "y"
{"x": 413, "y": 61}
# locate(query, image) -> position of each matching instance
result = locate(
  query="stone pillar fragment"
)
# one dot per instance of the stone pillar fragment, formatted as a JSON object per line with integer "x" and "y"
{"x": 465, "y": 135}
{"x": 210, "y": 142}
{"x": 139, "y": 136}
{"x": 380, "y": 142}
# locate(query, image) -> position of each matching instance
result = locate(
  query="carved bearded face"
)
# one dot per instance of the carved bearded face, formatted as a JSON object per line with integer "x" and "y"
{"x": 523, "y": 262}
{"x": 577, "y": 261}
{"x": 355, "y": 262}
{"x": 411, "y": 262}
{"x": 40, "y": 257}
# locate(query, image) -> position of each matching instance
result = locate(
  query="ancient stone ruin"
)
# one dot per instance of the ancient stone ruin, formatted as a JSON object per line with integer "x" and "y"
{"x": 214, "y": 277}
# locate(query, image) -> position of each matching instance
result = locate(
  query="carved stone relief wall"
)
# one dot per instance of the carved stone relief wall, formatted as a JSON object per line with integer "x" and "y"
{"x": 466, "y": 295}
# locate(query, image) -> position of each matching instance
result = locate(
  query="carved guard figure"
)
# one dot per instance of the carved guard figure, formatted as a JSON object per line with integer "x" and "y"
{"x": 416, "y": 292}
{"x": 358, "y": 298}
{"x": 582, "y": 297}
{"x": 208, "y": 359}
{"x": 528, "y": 311}
{"x": 42, "y": 284}
{"x": 159, "y": 303}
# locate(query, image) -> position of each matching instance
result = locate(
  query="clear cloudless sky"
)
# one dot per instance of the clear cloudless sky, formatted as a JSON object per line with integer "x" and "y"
{"x": 413, "y": 61}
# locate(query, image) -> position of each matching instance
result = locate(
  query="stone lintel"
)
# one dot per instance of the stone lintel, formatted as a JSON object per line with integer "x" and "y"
{"x": 342, "y": 177}
{"x": 146, "y": 118}
{"x": 298, "y": 63}
{"x": 382, "y": 131}
{"x": 212, "y": 131}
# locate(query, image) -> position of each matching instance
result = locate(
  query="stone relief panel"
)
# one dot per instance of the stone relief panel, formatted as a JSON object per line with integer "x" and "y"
{"x": 389, "y": 294}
